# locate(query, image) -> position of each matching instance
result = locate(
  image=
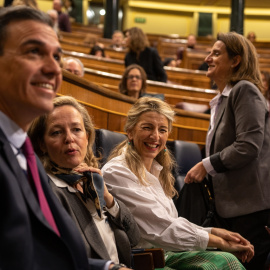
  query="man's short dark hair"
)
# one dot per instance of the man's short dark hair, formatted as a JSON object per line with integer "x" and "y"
{"x": 19, "y": 13}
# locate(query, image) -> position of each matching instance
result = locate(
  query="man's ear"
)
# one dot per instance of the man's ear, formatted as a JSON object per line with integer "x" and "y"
{"x": 236, "y": 61}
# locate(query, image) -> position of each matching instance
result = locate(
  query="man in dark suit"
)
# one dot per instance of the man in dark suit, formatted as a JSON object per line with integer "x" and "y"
{"x": 30, "y": 76}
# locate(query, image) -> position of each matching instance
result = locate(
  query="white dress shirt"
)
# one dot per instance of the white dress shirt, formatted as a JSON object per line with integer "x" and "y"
{"x": 16, "y": 137}
{"x": 153, "y": 211}
{"x": 214, "y": 104}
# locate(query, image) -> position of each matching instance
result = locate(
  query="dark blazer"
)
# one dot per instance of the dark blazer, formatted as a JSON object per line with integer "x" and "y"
{"x": 240, "y": 152}
{"x": 26, "y": 240}
{"x": 125, "y": 228}
{"x": 151, "y": 63}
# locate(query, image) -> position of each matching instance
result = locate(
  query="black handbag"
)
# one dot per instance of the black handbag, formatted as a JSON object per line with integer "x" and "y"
{"x": 196, "y": 204}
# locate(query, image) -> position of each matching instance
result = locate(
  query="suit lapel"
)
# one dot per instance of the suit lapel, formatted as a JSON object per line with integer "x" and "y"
{"x": 90, "y": 230}
{"x": 8, "y": 154}
{"x": 219, "y": 115}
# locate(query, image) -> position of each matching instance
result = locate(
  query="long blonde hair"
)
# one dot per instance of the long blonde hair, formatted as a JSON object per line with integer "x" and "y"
{"x": 132, "y": 157}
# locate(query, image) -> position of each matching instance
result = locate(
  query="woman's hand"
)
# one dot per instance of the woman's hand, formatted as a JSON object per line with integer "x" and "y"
{"x": 108, "y": 197}
{"x": 229, "y": 236}
{"x": 196, "y": 174}
{"x": 242, "y": 250}
{"x": 83, "y": 167}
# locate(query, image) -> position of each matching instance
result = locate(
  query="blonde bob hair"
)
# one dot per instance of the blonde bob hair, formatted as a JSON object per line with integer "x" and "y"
{"x": 248, "y": 68}
{"x": 132, "y": 157}
{"x": 38, "y": 127}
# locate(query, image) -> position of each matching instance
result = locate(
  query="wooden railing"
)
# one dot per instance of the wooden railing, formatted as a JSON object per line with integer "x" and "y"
{"x": 86, "y": 48}
{"x": 177, "y": 75}
{"x": 86, "y": 29}
{"x": 109, "y": 109}
{"x": 106, "y": 78}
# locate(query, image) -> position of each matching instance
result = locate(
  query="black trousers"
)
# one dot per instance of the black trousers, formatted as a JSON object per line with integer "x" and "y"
{"x": 252, "y": 227}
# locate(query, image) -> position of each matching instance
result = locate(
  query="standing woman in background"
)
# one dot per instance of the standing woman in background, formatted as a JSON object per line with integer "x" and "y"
{"x": 238, "y": 144}
{"x": 142, "y": 54}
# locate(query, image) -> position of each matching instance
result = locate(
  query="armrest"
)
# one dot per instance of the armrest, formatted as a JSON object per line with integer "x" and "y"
{"x": 156, "y": 255}
{"x": 143, "y": 261}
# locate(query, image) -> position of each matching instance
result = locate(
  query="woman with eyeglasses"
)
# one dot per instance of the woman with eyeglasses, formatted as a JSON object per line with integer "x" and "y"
{"x": 142, "y": 54}
{"x": 133, "y": 81}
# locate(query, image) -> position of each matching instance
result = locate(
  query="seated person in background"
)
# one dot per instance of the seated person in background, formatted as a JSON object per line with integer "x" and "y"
{"x": 133, "y": 81}
{"x": 63, "y": 140}
{"x": 63, "y": 18}
{"x": 139, "y": 172}
{"x": 97, "y": 50}
{"x": 170, "y": 62}
{"x": 142, "y": 54}
{"x": 251, "y": 36}
{"x": 117, "y": 40}
{"x": 74, "y": 66}
{"x": 191, "y": 44}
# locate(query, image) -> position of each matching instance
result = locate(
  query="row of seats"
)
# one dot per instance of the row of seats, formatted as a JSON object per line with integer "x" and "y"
{"x": 186, "y": 154}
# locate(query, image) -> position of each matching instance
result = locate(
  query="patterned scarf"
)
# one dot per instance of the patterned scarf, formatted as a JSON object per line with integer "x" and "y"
{"x": 92, "y": 184}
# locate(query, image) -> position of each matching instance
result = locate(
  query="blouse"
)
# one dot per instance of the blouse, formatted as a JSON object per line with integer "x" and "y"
{"x": 153, "y": 211}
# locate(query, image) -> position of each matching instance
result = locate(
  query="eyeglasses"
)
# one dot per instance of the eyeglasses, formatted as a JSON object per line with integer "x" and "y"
{"x": 131, "y": 77}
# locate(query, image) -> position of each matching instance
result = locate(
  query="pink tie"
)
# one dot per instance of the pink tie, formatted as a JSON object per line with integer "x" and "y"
{"x": 32, "y": 170}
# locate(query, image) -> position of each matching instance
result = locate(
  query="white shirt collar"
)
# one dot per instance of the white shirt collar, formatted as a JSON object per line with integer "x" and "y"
{"x": 15, "y": 135}
{"x": 61, "y": 184}
{"x": 156, "y": 168}
{"x": 226, "y": 92}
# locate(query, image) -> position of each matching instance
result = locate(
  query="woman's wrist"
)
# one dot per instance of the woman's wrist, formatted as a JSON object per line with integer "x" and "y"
{"x": 109, "y": 200}
{"x": 215, "y": 241}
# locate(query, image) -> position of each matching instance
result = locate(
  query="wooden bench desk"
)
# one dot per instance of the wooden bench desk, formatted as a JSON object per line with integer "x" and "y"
{"x": 86, "y": 48}
{"x": 109, "y": 109}
{"x": 101, "y": 77}
{"x": 181, "y": 76}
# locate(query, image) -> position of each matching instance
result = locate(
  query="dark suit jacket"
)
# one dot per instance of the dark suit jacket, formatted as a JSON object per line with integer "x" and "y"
{"x": 125, "y": 228}
{"x": 63, "y": 22}
{"x": 240, "y": 152}
{"x": 26, "y": 240}
{"x": 151, "y": 63}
